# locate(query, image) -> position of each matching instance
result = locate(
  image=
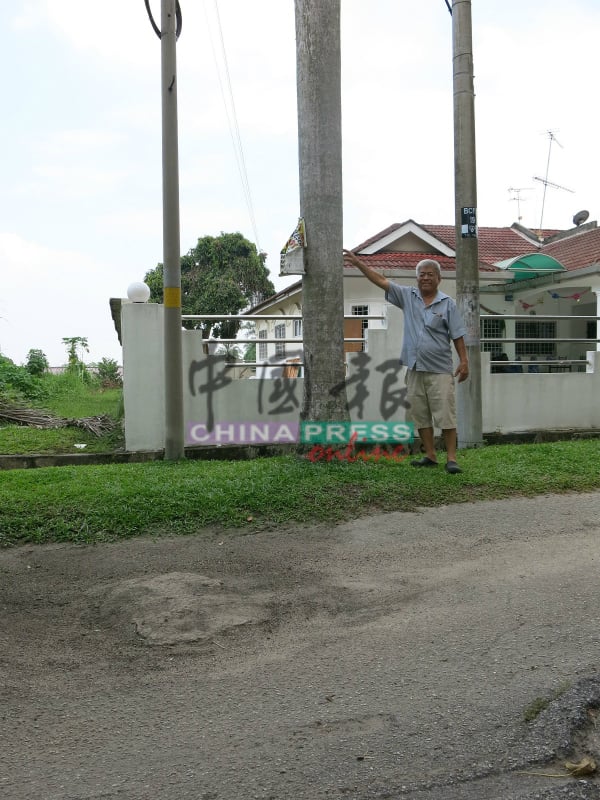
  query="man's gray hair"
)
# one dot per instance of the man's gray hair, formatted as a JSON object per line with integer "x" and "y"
{"x": 428, "y": 262}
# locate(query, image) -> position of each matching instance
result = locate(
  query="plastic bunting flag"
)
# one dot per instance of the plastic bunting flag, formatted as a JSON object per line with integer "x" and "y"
{"x": 292, "y": 256}
{"x": 577, "y": 296}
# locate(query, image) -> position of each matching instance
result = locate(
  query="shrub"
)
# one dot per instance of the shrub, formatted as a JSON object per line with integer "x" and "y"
{"x": 37, "y": 363}
{"x": 109, "y": 374}
{"x": 17, "y": 383}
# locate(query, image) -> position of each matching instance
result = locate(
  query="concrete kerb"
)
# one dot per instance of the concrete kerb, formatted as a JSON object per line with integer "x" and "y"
{"x": 248, "y": 452}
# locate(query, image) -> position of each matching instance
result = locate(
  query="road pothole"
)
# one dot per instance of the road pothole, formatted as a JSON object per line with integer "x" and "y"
{"x": 179, "y": 607}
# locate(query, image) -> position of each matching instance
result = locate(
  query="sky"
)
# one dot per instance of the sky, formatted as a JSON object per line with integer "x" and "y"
{"x": 81, "y": 188}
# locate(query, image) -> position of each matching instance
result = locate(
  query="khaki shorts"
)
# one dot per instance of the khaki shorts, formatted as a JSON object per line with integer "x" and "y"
{"x": 432, "y": 400}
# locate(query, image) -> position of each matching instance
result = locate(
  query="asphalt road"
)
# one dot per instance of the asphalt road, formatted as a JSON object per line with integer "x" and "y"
{"x": 391, "y": 657}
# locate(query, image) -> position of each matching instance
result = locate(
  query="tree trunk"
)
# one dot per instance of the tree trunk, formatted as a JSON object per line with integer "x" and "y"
{"x": 318, "y": 63}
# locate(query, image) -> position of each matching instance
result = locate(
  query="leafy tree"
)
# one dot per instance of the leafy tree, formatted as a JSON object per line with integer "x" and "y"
{"x": 75, "y": 363}
{"x": 248, "y": 340}
{"x": 220, "y": 275}
{"x": 72, "y": 343}
{"x": 250, "y": 354}
{"x": 109, "y": 373}
{"x": 17, "y": 384}
{"x": 37, "y": 363}
{"x": 232, "y": 352}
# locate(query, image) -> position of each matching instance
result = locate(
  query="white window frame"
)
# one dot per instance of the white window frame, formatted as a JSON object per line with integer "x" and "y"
{"x": 360, "y": 310}
{"x": 262, "y": 346}
{"x": 280, "y": 334}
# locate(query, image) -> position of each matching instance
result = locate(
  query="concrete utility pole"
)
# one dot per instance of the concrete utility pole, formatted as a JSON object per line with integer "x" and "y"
{"x": 174, "y": 438}
{"x": 318, "y": 64}
{"x": 468, "y": 397}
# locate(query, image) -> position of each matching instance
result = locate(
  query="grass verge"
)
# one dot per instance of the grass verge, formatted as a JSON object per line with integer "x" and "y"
{"x": 103, "y": 503}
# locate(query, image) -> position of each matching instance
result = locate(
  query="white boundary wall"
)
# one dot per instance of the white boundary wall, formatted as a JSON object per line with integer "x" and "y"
{"x": 515, "y": 402}
{"x": 521, "y": 401}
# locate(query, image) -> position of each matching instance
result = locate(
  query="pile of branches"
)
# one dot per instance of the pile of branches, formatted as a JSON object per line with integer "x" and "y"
{"x": 98, "y": 425}
{"x": 36, "y": 418}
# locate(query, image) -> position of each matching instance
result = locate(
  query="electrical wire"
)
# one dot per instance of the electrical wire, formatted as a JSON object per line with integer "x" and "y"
{"x": 234, "y": 129}
{"x": 178, "y": 19}
{"x": 449, "y": 7}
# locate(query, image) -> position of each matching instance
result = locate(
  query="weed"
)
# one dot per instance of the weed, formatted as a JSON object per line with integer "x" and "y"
{"x": 539, "y": 704}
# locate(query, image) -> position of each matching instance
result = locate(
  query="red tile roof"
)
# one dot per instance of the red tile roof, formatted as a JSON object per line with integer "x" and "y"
{"x": 407, "y": 261}
{"x": 494, "y": 244}
{"x": 579, "y": 250}
{"x": 574, "y": 250}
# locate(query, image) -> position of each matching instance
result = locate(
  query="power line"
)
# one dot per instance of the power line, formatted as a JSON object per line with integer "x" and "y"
{"x": 232, "y": 121}
{"x": 178, "y": 19}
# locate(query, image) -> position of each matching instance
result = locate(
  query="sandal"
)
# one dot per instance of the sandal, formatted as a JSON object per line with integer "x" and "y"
{"x": 453, "y": 468}
{"x": 424, "y": 462}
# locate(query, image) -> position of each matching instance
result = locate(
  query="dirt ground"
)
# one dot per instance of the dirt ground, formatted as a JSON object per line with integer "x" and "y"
{"x": 394, "y": 656}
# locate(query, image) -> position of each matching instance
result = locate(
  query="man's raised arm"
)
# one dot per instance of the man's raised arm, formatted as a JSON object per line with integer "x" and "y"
{"x": 374, "y": 277}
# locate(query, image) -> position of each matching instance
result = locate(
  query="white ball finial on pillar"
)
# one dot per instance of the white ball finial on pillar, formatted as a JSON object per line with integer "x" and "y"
{"x": 138, "y": 292}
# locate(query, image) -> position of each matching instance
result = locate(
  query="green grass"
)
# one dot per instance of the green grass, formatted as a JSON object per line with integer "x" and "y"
{"x": 102, "y": 503}
{"x": 68, "y": 397}
{"x": 23, "y": 440}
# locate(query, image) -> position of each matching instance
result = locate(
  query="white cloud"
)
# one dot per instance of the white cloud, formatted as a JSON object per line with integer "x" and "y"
{"x": 49, "y": 294}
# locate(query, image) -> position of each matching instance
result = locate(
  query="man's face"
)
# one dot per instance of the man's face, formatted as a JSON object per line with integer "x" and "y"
{"x": 428, "y": 280}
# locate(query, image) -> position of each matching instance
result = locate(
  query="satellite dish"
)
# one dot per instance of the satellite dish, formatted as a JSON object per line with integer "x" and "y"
{"x": 580, "y": 217}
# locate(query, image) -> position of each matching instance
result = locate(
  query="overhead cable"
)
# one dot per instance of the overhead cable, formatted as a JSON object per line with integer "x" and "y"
{"x": 178, "y": 19}
{"x": 234, "y": 129}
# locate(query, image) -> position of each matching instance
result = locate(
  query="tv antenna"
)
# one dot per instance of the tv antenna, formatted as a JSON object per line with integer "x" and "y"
{"x": 545, "y": 181}
{"x": 517, "y": 192}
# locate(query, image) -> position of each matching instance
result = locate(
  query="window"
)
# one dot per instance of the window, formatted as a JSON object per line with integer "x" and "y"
{"x": 535, "y": 329}
{"x": 262, "y": 346}
{"x": 492, "y": 329}
{"x": 280, "y": 334}
{"x": 361, "y": 311}
{"x": 298, "y": 328}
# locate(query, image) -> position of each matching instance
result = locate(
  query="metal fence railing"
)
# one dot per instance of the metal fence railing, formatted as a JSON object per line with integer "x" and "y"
{"x": 558, "y": 364}
{"x": 297, "y": 340}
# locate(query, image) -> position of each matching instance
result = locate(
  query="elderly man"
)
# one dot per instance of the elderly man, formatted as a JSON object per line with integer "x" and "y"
{"x": 431, "y": 322}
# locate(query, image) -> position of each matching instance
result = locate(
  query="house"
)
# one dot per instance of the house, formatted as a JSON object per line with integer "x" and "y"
{"x": 550, "y": 282}
{"x": 543, "y": 274}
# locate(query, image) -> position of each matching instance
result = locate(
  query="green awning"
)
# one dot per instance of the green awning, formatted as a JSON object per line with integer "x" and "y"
{"x": 531, "y": 265}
